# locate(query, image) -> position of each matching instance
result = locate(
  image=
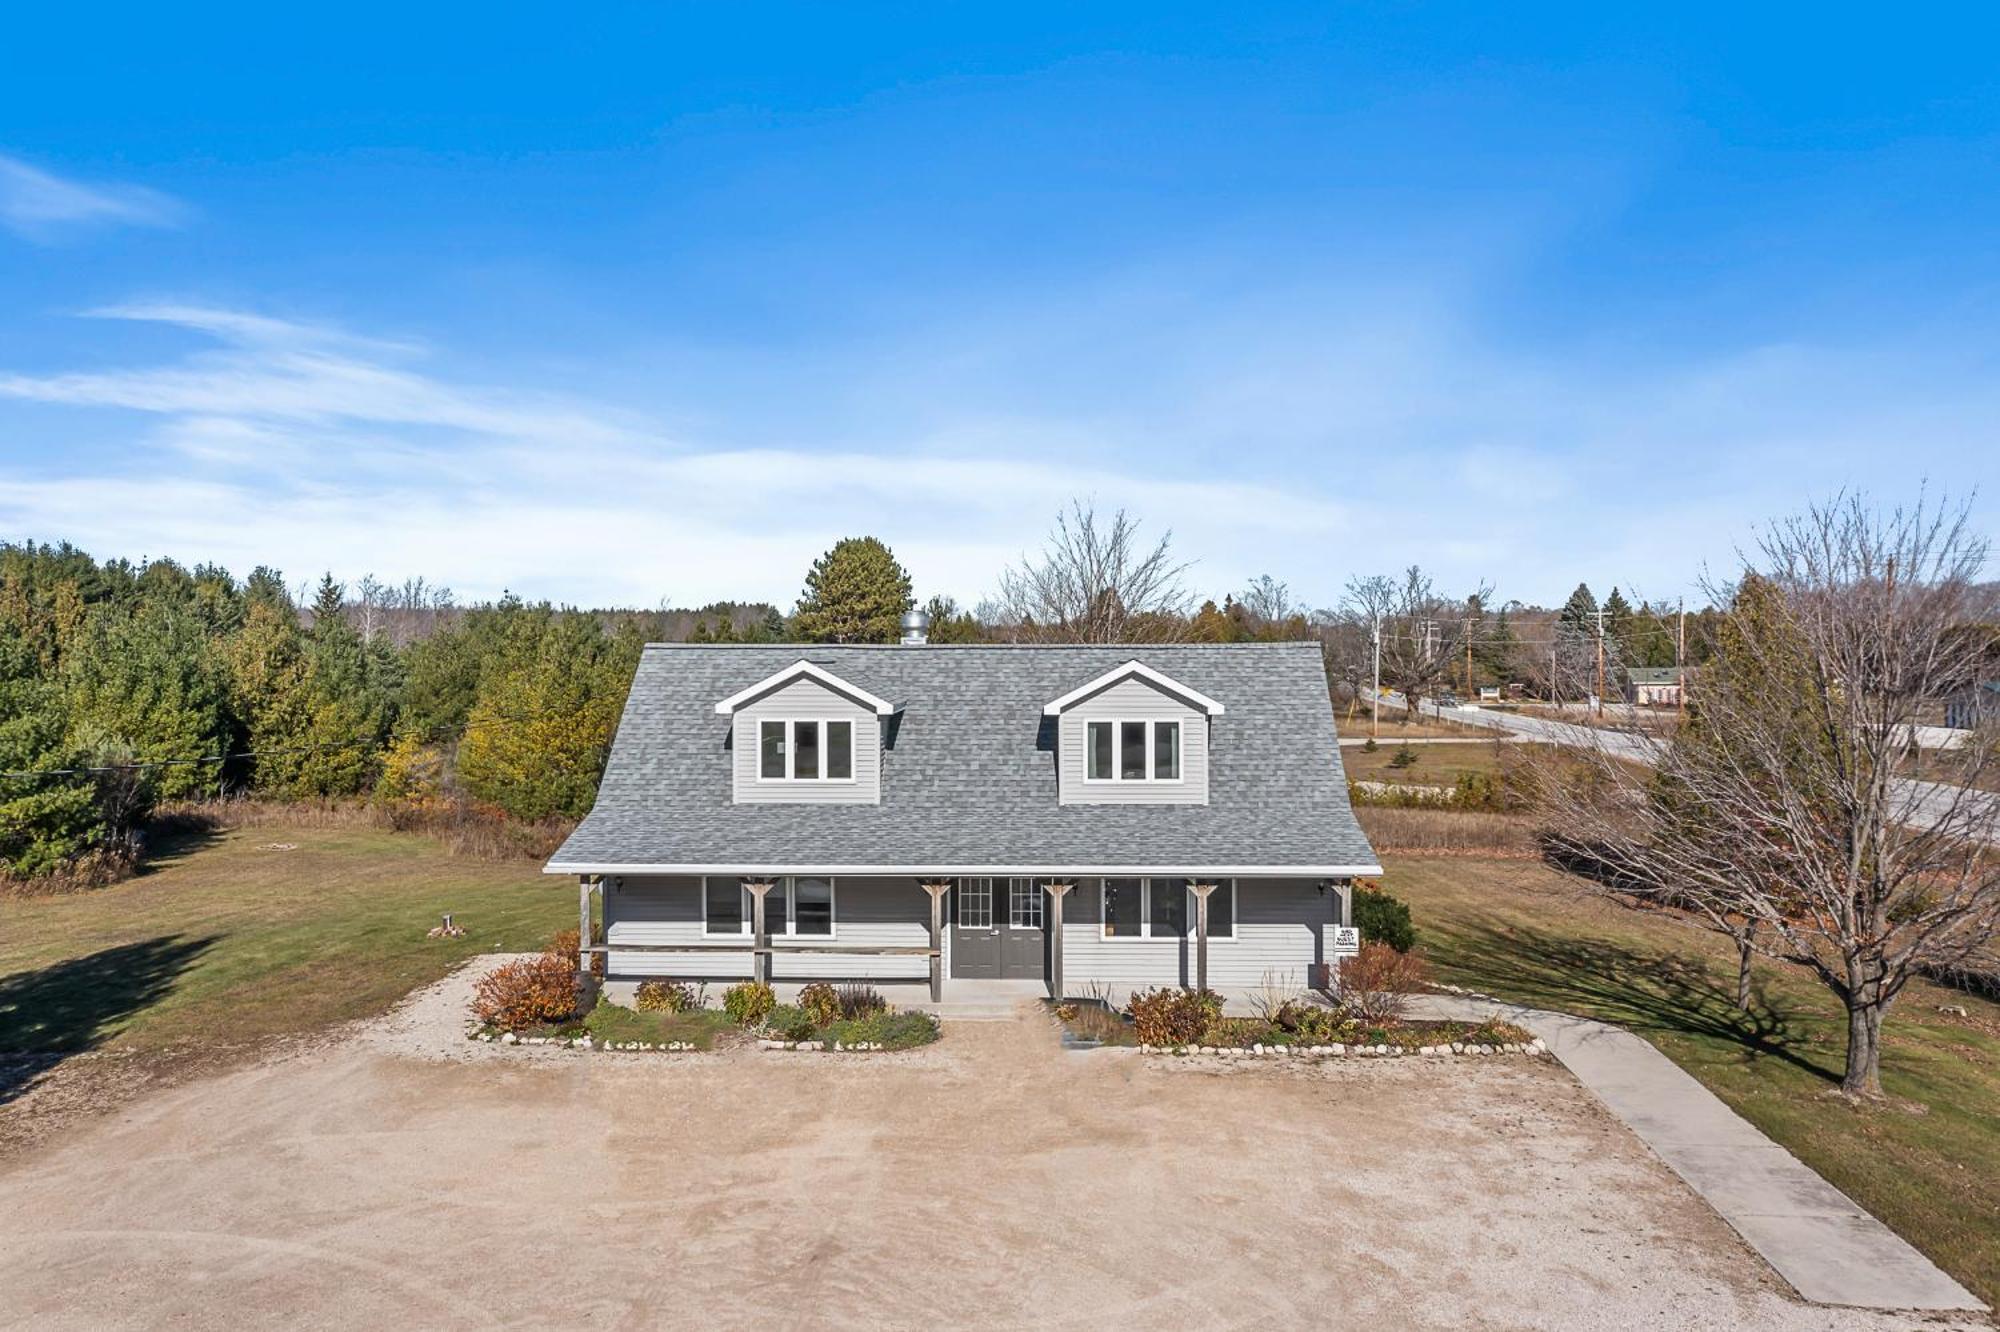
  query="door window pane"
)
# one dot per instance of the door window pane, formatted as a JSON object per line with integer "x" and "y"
{"x": 840, "y": 750}
{"x": 975, "y": 904}
{"x": 805, "y": 750}
{"x": 1222, "y": 911}
{"x": 1098, "y": 743}
{"x": 723, "y": 903}
{"x": 1024, "y": 903}
{"x": 812, "y": 906}
{"x": 1132, "y": 751}
{"x": 1121, "y": 908}
{"x": 1167, "y": 751}
{"x": 771, "y": 749}
{"x": 1169, "y": 907}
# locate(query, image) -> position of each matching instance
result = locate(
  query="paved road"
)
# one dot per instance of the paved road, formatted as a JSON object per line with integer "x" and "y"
{"x": 1928, "y": 801}
{"x": 1815, "y": 1236}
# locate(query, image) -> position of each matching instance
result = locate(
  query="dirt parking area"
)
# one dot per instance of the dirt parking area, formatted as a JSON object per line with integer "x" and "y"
{"x": 404, "y": 1176}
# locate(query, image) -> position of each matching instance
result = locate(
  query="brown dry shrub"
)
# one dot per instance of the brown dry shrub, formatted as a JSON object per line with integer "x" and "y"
{"x": 1173, "y": 1017}
{"x": 1376, "y": 985}
{"x": 527, "y": 993}
{"x": 1449, "y": 832}
{"x": 820, "y": 1002}
{"x": 565, "y": 944}
{"x": 464, "y": 827}
{"x": 664, "y": 996}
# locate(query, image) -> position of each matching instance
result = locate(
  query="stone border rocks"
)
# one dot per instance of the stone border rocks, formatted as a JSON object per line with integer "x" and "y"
{"x": 832, "y": 1047}
{"x": 586, "y": 1043}
{"x": 1337, "y": 1050}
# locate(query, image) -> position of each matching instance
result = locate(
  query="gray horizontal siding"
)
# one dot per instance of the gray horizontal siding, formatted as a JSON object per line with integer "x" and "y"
{"x": 872, "y": 912}
{"x": 1280, "y": 927}
{"x": 1132, "y": 700}
{"x": 806, "y": 699}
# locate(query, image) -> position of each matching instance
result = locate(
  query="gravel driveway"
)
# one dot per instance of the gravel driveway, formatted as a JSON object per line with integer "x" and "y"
{"x": 404, "y": 1176}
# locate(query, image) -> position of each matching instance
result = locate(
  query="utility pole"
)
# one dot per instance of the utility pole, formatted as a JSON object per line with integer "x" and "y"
{"x": 1600, "y": 660}
{"x": 1375, "y": 695}
{"x": 1468, "y": 657}
{"x": 1680, "y": 662}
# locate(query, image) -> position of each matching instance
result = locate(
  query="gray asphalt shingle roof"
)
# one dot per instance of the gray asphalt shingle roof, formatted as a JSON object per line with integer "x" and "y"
{"x": 969, "y": 774}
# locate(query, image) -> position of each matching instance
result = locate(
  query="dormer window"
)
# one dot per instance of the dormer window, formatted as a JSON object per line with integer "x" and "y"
{"x": 1132, "y": 751}
{"x": 802, "y": 749}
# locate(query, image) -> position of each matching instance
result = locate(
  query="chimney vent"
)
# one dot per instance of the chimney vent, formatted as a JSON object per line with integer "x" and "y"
{"x": 916, "y": 629}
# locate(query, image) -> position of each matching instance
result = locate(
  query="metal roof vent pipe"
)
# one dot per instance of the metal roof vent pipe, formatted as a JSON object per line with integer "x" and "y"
{"x": 916, "y": 629}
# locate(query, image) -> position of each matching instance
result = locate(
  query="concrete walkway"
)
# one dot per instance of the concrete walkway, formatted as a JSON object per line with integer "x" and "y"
{"x": 1829, "y": 1249}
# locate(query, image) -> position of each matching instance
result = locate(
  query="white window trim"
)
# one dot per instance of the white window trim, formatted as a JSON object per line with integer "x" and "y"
{"x": 1145, "y": 934}
{"x": 1117, "y": 748}
{"x": 1036, "y": 889}
{"x": 882, "y": 707}
{"x": 782, "y": 889}
{"x": 1128, "y": 670}
{"x": 791, "y": 752}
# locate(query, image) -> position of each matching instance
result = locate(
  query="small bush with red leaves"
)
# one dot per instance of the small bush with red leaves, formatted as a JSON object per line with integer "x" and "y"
{"x": 1376, "y": 984}
{"x": 1173, "y": 1017}
{"x": 528, "y": 993}
{"x": 565, "y": 945}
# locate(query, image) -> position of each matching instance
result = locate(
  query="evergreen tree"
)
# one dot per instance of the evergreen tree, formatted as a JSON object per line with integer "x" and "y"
{"x": 148, "y": 677}
{"x": 949, "y": 624}
{"x": 855, "y": 593}
{"x": 45, "y": 822}
{"x": 1496, "y": 653}
{"x": 536, "y": 741}
{"x": 1580, "y": 611}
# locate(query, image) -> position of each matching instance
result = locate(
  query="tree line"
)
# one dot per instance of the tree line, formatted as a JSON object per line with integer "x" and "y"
{"x": 125, "y": 685}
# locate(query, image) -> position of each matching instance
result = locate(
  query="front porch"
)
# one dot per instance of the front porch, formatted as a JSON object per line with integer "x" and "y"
{"x": 1025, "y": 936}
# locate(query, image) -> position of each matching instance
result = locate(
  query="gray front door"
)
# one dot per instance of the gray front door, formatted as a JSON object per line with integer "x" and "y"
{"x": 976, "y": 933}
{"x": 1023, "y": 943}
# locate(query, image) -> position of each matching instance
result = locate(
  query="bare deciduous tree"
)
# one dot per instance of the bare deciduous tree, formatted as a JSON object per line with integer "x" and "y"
{"x": 1094, "y": 583}
{"x": 1780, "y": 813}
{"x": 1422, "y": 631}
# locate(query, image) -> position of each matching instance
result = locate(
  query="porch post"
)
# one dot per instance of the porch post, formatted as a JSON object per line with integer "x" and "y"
{"x": 1057, "y": 889}
{"x": 586, "y": 984}
{"x": 937, "y": 888}
{"x": 760, "y": 960}
{"x": 1201, "y": 892}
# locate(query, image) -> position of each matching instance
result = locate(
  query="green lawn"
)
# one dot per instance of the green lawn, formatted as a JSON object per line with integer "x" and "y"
{"x": 1927, "y": 1164}
{"x": 225, "y": 941}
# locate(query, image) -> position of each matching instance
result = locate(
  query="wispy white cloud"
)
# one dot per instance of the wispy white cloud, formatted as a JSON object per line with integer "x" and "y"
{"x": 296, "y": 444}
{"x": 42, "y": 207}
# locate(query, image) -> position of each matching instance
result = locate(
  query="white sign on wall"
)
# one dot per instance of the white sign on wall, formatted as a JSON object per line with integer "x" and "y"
{"x": 1346, "y": 941}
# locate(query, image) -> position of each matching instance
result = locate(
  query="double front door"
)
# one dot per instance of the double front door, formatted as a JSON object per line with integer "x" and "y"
{"x": 996, "y": 930}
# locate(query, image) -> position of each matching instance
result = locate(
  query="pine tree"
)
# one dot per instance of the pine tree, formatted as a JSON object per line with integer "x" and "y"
{"x": 45, "y": 822}
{"x": 148, "y": 677}
{"x": 1580, "y": 611}
{"x": 855, "y": 593}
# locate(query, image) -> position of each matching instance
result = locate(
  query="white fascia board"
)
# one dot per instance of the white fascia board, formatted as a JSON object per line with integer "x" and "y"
{"x": 1144, "y": 672}
{"x": 882, "y": 706}
{"x": 1035, "y": 871}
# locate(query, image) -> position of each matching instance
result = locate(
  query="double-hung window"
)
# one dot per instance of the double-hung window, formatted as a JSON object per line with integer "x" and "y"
{"x": 796, "y": 907}
{"x": 805, "y": 750}
{"x": 1132, "y": 751}
{"x": 1164, "y": 908}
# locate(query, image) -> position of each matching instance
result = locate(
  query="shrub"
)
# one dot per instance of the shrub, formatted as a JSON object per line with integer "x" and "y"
{"x": 565, "y": 944}
{"x": 1324, "y": 1026}
{"x": 662, "y": 996}
{"x": 820, "y": 1002}
{"x": 1376, "y": 985}
{"x": 1384, "y": 919}
{"x": 749, "y": 1002}
{"x": 527, "y": 993}
{"x": 896, "y": 1031}
{"x": 1173, "y": 1017}
{"x": 1404, "y": 757}
{"x": 788, "y": 1022}
{"x": 861, "y": 1001}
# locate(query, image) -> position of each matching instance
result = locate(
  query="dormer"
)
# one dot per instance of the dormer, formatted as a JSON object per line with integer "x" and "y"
{"x": 1132, "y": 736}
{"x": 805, "y": 736}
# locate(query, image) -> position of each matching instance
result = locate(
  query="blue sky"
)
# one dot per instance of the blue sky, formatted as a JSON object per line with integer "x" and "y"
{"x": 654, "y": 303}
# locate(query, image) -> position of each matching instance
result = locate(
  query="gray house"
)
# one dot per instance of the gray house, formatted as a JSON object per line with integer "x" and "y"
{"x": 1127, "y": 816}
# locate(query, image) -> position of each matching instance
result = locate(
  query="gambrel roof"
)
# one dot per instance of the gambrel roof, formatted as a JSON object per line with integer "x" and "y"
{"x": 968, "y": 781}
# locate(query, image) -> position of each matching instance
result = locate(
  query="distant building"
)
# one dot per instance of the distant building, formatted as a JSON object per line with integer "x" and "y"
{"x": 1969, "y": 708}
{"x": 1655, "y": 686}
